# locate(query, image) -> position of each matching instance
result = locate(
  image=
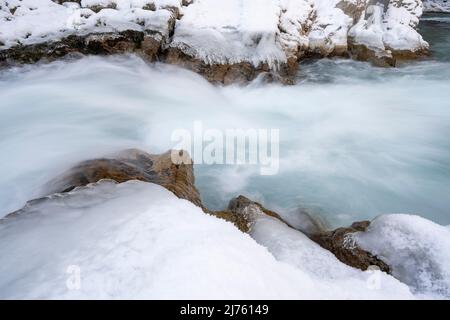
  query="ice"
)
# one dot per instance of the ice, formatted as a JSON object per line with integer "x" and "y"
{"x": 390, "y": 26}
{"x": 224, "y": 32}
{"x": 230, "y": 31}
{"x": 138, "y": 240}
{"x": 417, "y": 250}
{"x": 37, "y": 21}
{"x": 293, "y": 247}
{"x": 436, "y": 6}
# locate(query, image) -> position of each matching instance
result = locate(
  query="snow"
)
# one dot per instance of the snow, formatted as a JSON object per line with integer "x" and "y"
{"x": 293, "y": 247}
{"x": 137, "y": 240}
{"x": 230, "y": 31}
{"x": 436, "y": 6}
{"x": 36, "y": 21}
{"x": 225, "y": 32}
{"x": 417, "y": 250}
{"x": 390, "y": 27}
{"x": 330, "y": 28}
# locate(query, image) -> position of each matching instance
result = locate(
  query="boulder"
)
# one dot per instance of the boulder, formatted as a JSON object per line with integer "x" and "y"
{"x": 342, "y": 245}
{"x": 242, "y": 212}
{"x": 132, "y": 164}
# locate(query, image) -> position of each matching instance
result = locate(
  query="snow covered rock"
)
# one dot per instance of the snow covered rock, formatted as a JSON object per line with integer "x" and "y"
{"x": 339, "y": 242}
{"x": 415, "y": 248}
{"x": 138, "y": 240}
{"x": 436, "y": 6}
{"x": 225, "y": 41}
{"x": 38, "y": 29}
{"x": 296, "y": 249}
{"x": 386, "y": 31}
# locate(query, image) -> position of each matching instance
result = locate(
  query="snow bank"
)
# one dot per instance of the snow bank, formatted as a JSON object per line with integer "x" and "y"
{"x": 436, "y": 6}
{"x": 226, "y": 32}
{"x": 137, "y": 240}
{"x": 416, "y": 249}
{"x": 293, "y": 247}
{"x": 389, "y": 25}
{"x": 330, "y": 28}
{"x": 232, "y": 31}
{"x": 36, "y": 21}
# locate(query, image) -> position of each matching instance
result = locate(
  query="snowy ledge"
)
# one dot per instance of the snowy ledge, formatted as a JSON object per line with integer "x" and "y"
{"x": 257, "y": 36}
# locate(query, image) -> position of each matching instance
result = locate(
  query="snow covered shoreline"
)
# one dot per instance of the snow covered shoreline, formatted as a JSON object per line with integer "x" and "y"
{"x": 226, "y": 41}
{"x": 131, "y": 239}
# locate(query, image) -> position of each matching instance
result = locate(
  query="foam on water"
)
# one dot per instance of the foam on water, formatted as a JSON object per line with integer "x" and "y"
{"x": 356, "y": 141}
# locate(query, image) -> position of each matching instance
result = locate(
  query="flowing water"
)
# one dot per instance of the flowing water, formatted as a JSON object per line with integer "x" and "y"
{"x": 355, "y": 140}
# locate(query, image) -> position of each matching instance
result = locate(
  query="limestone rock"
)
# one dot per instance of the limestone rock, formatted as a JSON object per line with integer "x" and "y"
{"x": 341, "y": 244}
{"x": 132, "y": 164}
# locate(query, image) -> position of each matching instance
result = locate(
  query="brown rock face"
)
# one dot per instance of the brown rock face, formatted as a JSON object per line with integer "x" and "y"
{"x": 229, "y": 73}
{"x": 133, "y": 164}
{"x": 235, "y": 218}
{"x": 338, "y": 241}
{"x": 242, "y": 211}
{"x": 103, "y": 44}
{"x": 246, "y": 207}
{"x": 341, "y": 245}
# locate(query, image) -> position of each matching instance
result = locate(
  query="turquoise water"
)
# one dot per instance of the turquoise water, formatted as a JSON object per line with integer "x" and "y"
{"x": 355, "y": 140}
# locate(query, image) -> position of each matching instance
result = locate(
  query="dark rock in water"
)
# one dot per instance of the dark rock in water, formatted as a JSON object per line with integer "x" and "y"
{"x": 340, "y": 243}
{"x": 133, "y": 164}
{"x": 247, "y": 208}
{"x": 242, "y": 211}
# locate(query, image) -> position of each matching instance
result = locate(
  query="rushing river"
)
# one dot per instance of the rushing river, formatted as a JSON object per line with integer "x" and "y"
{"x": 355, "y": 140}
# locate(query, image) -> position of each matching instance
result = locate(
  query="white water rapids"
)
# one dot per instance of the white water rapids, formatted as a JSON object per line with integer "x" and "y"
{"x": 356, "y": 140}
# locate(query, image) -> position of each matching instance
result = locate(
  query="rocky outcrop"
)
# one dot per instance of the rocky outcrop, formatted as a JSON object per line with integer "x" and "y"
{"x": 341, "y": 244}
{"x": 98, "y": 44}
{"x": 226, "y": 42}
{"x": 86, "y": 27}
{"x": 339, "y": 241}
{"x": 132, "y": 164}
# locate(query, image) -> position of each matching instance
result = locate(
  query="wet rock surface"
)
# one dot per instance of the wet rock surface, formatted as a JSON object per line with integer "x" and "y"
{"x": 132, "y": 164}
{"x": 340, "y": 243}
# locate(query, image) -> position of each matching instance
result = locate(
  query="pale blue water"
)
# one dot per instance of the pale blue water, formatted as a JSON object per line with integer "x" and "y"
{"x": 356, "y": 140}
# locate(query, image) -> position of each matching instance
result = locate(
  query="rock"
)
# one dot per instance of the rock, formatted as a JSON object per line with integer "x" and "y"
{"x": 341, "y": 244}
{"x": 338, "y": 242}
{"x": 104, "y": 44}
{"x": 242, "y": 212}
{"x": 235, "y": 218}
{"x": 132, "y": 164}
{"x": 250, "y": 209}
{"x": 223, "y": 45}
{"x": 242, "y": 72}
